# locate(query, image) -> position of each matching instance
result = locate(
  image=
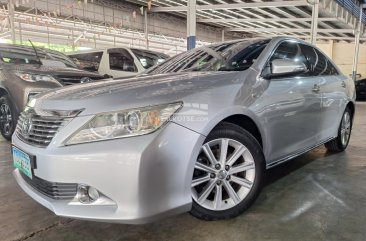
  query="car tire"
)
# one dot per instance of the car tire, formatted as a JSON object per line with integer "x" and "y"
{"x": 8, "y": 117}
{"x": 251, "y": 180}
{"x": 340, "y": 143}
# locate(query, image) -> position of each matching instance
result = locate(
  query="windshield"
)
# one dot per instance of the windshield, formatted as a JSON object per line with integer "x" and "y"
{"x": 230, "y": 56}
{"x": 25, "y": 55}
{"x": 149, "y": 59}
{"x": 88, "y": 61}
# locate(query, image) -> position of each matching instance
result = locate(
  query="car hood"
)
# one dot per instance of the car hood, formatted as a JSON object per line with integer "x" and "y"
{"x": 54, "y": 71}
{"x": 121, "y": 94}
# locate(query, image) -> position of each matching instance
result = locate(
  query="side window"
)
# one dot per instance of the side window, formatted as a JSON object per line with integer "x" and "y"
{"x": 121, "y": 60}
{"x": 321, "y": 65}
{"x": 318, "y": 63}
{"x": 311, "y": 59}
{"x": 287, "y": 50}
{"x": 331, "y": 70}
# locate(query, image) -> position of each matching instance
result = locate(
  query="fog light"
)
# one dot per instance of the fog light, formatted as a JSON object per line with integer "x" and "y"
{"x": 93, "y": 193}
{"x": 87, "y": 194}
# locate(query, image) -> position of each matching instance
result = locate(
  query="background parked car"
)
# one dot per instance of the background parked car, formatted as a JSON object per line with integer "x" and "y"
{"x": 27, "y": 71}
{"x": 117, "y": 62}
{"x": 361, "y": 89}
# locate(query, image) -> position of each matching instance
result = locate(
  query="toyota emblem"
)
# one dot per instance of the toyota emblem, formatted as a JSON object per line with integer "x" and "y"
{"x": 26, "y": 126}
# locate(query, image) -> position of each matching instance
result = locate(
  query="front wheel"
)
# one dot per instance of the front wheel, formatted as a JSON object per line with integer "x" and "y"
{"x": 7, "y": 117}
{"x": 340, "y": 143}
{"x": 228, "y": 173}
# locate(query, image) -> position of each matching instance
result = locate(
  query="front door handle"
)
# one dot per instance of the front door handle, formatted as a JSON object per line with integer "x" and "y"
{"x": 316, "y": 88}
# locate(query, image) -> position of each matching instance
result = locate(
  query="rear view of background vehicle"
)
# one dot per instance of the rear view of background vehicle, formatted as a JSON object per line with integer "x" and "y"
{"x": 361, "y": 89}
{"x": 117, "y": 62}
{"x": 27, "y": 71}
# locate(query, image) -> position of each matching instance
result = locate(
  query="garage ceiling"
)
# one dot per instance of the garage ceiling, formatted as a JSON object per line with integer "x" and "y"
{"x": 257, "y": 18}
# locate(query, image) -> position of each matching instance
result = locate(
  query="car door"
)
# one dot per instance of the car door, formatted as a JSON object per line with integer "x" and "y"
{"x": 332, "y": 87}
{"x": 292, "y": 106}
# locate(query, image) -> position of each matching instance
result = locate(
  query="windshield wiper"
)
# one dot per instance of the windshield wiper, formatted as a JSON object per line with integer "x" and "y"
{"x": 35, "y": 51}
{"x": 45, "y": 52}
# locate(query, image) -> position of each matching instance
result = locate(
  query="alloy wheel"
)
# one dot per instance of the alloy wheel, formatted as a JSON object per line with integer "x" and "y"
{"x": 6, "y": 118}
{"x": 223, "y": 175}
{"x": 345, "y": 128}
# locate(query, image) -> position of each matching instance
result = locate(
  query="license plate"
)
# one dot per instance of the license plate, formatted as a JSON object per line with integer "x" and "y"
{"x": 22, "y": 161}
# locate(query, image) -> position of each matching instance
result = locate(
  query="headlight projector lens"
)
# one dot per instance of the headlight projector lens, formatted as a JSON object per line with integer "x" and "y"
{"x": 133, "y": 121}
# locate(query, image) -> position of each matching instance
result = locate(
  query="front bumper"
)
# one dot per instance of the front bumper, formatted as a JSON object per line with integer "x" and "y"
{"x": 141, "y": 178}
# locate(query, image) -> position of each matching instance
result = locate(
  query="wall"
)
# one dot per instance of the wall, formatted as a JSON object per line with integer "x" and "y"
{"x": 342, "y": 54}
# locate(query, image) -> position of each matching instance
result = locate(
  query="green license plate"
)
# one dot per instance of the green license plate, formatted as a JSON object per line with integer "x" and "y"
{"x": 22, "y": 161}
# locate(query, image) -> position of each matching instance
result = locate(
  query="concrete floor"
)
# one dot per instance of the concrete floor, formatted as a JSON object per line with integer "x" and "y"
{"x": 317, "y": 196}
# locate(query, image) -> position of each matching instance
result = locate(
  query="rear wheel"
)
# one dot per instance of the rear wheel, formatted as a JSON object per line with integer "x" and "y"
{"x": 7, "y": 117}
{"x": 340, "y": 143}
{"x": 228, "y": 173}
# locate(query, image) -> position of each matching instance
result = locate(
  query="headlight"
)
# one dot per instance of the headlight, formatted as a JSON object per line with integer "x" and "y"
{"x": 120, "y": 124}
{"x": 36, "y": 77}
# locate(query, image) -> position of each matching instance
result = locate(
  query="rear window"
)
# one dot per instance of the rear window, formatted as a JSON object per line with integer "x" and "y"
{"x": 149, "y": 59}
{"x": 88, "y": 61}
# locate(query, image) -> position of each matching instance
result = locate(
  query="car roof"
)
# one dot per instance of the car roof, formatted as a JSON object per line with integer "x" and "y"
{"x": 116, "y": 47}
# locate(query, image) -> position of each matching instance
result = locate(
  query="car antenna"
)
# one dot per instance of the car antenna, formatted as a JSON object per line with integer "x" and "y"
{"x": 35, "y": 50}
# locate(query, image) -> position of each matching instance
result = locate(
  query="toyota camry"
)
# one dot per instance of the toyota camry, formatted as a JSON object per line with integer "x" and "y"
{"x": 194, "y": 134}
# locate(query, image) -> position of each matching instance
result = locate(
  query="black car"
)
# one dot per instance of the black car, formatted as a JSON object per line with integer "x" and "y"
{"x": 27, "y": 71}
{"x": 361, "y": 89}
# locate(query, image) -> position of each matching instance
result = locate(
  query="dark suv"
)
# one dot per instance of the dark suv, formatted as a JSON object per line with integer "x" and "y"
{"x": 27, "y": 71}
{"x": 361, "y": 89}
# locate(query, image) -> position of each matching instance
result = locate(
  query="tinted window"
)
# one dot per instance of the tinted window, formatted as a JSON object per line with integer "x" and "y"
{"x": 149, "y": 59}
{"x": 331, "y": 70}
{"x": 321, "y": 65}
{"x": 288, "y": 50}
{"x": 311, "y": 58}
{"x": 232, "y": 56}
{"x": 88, "y": 61}
{"x": 318, "y": 63}
{"x": 120, "y": 59}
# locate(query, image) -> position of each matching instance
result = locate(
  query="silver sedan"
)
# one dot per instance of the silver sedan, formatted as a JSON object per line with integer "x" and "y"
{"x": 195, "y": 133}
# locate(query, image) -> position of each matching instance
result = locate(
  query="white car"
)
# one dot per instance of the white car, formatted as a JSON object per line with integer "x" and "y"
{"x": 117, "y": 62}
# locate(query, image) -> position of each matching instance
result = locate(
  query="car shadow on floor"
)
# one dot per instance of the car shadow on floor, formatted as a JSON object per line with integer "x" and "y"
{"x": 282, "y": 170}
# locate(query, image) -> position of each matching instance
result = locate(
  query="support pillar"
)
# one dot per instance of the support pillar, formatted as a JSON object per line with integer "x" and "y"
{"x": 223, "y": 35}
{"x": 314, "y": 21}
{"x": 11, "y": 5}
{"x": 191, "y": 24}
{"x": 357, "y": 44}
{"x": 146, "y": 31}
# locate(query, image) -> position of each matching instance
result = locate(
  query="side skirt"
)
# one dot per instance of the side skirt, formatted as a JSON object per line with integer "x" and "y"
{"x": 296, "y": 154}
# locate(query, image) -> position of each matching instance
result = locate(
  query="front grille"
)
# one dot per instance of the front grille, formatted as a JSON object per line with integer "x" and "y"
{"x": 38, "y": 130}
{"x": 54, "y": 190}
{"x": 71, "y": 80}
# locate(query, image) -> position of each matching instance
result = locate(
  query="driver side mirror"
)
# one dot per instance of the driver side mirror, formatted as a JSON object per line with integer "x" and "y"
{"x": 286, "y": 68}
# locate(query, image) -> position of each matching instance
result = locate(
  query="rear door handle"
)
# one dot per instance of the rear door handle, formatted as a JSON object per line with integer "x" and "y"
{"x": 316, "y": 88}
{"x": 343, "y": 84}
